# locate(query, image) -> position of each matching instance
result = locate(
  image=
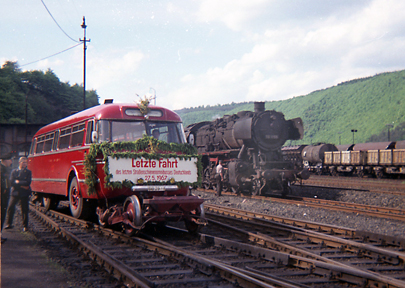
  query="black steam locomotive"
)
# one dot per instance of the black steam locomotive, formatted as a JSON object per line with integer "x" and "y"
{"x": 249, "y": 145}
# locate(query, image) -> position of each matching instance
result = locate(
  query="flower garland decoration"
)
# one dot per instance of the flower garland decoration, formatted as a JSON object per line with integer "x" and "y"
{"x": 146, "y": 147}
{"x": 143, "y": 105}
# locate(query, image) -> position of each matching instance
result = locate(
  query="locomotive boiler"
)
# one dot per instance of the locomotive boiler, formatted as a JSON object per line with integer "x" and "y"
{"x": 249, "y": 145}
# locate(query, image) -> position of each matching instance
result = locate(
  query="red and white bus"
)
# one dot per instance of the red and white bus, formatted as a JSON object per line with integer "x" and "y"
{"x": 106, "y": 161}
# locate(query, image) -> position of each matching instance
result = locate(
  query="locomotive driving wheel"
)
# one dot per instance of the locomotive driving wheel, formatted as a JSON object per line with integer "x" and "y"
{"x": 225, "y": 184}
{"x": 133, "y": 214}
{"x": 236, "y": 190}
{"x": 256, "y": 185}
{"x": 206, "y": 179}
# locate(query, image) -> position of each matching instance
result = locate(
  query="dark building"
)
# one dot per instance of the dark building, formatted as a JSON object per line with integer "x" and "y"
{"x": 16, "y": 138}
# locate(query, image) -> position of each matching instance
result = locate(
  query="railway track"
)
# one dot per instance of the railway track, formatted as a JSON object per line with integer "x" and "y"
{"x": 388, "y": 186}
{"x": 395, "y": 244}
{"x": 138, "y": 262}
{"x": 381, "y": 256}
{"x": 213, "y": 260}
{"x": 370, "y": 210}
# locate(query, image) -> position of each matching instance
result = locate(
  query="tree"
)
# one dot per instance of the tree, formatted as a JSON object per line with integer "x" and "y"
{"x": 46, "y": 97}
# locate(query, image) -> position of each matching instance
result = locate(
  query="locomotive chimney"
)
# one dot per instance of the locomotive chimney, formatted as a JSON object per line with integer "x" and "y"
{"x": 259, "y": 106}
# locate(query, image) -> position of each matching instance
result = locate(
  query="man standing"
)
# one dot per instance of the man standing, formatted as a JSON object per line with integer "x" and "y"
{"x": 220, "y": 177}
{"x": 20, "y": 191}
{"x": 5, "y": 168}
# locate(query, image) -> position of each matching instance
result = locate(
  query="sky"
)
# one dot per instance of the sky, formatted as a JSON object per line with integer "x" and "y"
{"x": 192, "y": 53}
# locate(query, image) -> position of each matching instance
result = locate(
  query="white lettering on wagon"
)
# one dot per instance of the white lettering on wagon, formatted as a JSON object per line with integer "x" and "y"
{"x": 153, "y": 170}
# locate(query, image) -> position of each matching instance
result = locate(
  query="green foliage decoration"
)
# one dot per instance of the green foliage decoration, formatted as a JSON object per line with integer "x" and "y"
{"x": 143, "y": 104}
{"x": 147, "y": 148}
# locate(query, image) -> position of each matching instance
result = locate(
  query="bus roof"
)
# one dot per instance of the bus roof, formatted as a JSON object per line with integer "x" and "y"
{"x": 111, "y": 111}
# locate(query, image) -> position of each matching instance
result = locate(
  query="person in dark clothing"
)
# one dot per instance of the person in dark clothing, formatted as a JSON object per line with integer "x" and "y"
{"x": 5, "y": 168}
{"x": 20, "y": 180}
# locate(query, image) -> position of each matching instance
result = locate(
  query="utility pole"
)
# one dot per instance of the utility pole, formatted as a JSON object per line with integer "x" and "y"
{"x": 154, "y": 94}
{"x": 84, "y": 26}
{"x": 353, "y": 131}
{"x": 26, "y": 123}
{"x": 389, "y": 126}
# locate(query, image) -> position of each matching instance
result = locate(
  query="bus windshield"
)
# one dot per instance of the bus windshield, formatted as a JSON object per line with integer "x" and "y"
{"x": 115, "y": 131}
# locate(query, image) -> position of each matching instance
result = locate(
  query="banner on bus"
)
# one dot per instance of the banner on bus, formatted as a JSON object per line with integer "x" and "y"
{"x": 153, "y": 170}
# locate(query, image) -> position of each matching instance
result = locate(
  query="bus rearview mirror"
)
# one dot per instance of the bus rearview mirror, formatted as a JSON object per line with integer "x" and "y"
{"x": 94, "y": 136}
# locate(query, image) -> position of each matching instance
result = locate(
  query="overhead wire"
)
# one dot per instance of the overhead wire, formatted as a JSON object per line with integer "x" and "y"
{"x": 52, "y": 55}
{"x": 78, "y": 42}
{"x": 49, "y": 12}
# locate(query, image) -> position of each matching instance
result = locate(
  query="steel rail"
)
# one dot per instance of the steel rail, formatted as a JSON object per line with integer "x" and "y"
{"x": 335, "y": 271}
{"x": 346, "y": 233}
{"x": 268, "y": 224}
{"x": 370, "y": 210}
{"x": 118, "y": 270}
{"x": 257, "y": 237}
{"x": 375, "y": 211}
{"x": 371, "y": 185}
{"x": 128, "y": 275}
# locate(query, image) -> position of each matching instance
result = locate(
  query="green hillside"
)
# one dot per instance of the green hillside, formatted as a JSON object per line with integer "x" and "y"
{"x": 368, "y": 105}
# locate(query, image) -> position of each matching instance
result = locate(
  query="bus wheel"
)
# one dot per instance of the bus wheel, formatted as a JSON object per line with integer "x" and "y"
{"x": 133, "y": 211}
{"x": 77, "y": 205}
{"x": 192, "y": 227}
{"x": 49, "y": 202}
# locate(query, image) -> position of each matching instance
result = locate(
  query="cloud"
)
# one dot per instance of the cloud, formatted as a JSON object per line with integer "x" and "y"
{"x": 293, "y": 60}
{"x": 212, "y": 52}
{"x": 113, "y": 66}
{"x": 233, "y": 13}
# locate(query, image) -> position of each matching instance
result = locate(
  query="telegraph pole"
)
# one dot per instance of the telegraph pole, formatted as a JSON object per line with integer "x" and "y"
{"x": 84, "y": 26}
{"x": 26, "y": 123}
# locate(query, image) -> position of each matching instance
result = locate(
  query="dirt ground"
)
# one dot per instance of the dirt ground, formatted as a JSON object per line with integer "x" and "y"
{"x": 24, "y": 263}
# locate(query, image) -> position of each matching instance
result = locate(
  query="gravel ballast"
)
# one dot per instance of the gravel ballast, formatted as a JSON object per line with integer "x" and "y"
{"x": 337, "y": 218}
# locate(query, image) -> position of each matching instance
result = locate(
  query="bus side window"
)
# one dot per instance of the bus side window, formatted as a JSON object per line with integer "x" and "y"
{"x": 55, "y": 141}
{"x": 40, "y": 144}
{"x": 48, "y": 142}
{"x": 77, "y": 135}
{"x": 32, "y": 149}
{"x": 64, "y": 138}
{"x": 90, "y": 127}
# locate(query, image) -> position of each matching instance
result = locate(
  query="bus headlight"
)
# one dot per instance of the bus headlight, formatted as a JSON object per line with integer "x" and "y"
{"x": 140, "y": 181}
